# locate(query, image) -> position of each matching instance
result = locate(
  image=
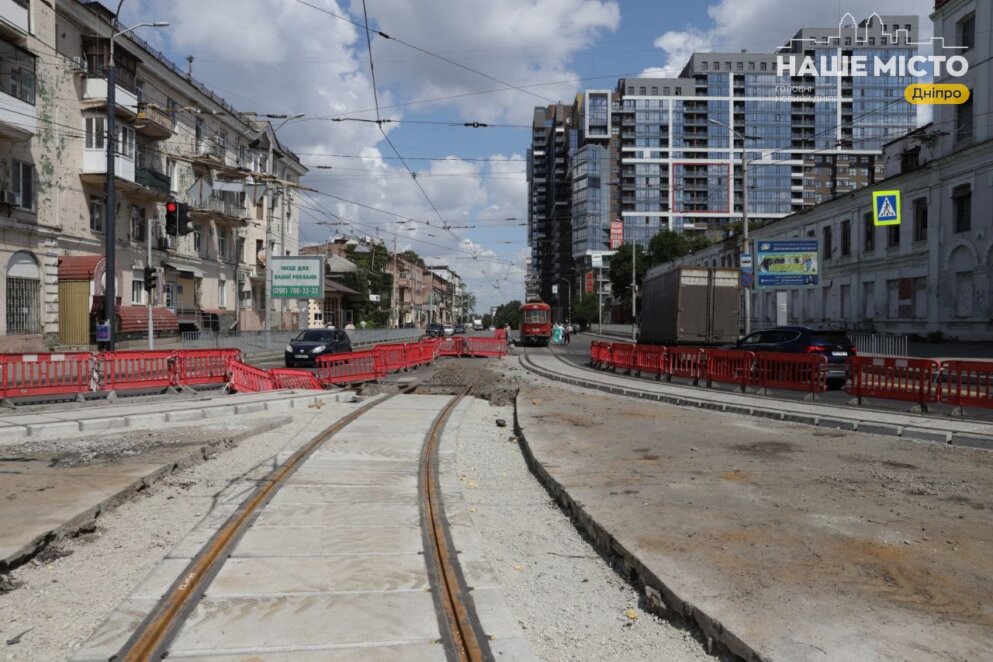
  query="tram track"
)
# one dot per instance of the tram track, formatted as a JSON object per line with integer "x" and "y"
{"x": 461, "y": 631}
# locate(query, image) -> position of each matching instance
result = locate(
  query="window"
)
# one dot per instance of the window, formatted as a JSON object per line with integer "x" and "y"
{"x": 137, "y": 287}
{"x": 222, "y": 245}
{"x": 138, "y": 224}
{"x": 765, "y": 66}
{"x": 198, "y": 240}
{"x": 641, "y": 90}
{"x": 827, "y": 242}
{"x": 240, "y": 256}
{"x": 962, "y": 208}
{"x": 94, "y": 133}
{"x": 704, "y": 66}
{"x": 23, "y": 295}
{"x": 846, "y": 238}
{"x": 963, "y": 120}
{"x": 96, "y": 213}
{"x": 920, "y": 219}
{"x": 22, "y": 183}
{"x": 199, "y": 135}
{"x": 17, "y": 72}
{"x": 172, "y": 108}
{"x": 892, "y": 236}
{"x": 139, "y": 89}
{"x": 967, "y": 31}
{"x": 171, "y": 173}
{"x": 869, "y": 243}
{"x": 655, "y": 91}
{"x": 739, "y": 66}
{"x": 222, "y": 294}
{"x": 125, "y": 145}
{"x": 751, "y": 66}
{"x": 170, "y": 295}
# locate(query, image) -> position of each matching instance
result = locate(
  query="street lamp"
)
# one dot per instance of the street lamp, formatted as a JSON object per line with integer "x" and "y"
{"x": 744, "y": 213}
{"x": 568, "y": 298}
{"x": 110, "y": 231}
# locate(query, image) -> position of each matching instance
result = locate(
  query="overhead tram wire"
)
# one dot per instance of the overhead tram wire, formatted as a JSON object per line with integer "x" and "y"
{"x": 424, "y": 51}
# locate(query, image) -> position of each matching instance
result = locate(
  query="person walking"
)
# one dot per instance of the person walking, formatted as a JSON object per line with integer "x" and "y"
{"x": 568, "y": 333}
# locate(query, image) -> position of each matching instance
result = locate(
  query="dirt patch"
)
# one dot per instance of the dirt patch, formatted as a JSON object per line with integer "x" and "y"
{"x": 736, "y": 475}
{"x": 766, "y": 448}
{"x": 485, "y": 383}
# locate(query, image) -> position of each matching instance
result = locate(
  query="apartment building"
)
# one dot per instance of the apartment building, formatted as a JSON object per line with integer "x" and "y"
{"x": 933, "y": 273}
{"x": 673, "y": 161}
{"x": 176, "y": 140}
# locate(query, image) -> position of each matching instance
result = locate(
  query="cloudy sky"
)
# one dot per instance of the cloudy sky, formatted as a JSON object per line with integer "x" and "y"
{"x": 447, "y": 62}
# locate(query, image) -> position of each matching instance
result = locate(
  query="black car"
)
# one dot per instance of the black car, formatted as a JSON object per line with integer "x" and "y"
{"x": 829, "y": 343}
{"x": 435, "y": 330}
{"x": 306, "y": 347}
{"x": 460, "y": 329}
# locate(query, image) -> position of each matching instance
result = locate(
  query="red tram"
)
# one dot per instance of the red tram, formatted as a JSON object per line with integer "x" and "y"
{"x": 536, "y": 323}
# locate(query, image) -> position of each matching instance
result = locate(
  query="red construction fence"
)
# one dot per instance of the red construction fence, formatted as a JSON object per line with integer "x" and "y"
{"x": 73, "y": 373}
{"x": 920, "y": 381}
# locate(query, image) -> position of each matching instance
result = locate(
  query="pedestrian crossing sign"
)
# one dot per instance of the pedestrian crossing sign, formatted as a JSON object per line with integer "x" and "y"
{"x": 886, "y": 207}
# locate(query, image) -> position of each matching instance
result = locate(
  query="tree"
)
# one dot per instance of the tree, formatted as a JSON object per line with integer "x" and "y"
{"x": 586, "y": 310}
{"x": 620, "y": 271}
{"x": 508, "y": 313}
{"x": 487, "y": 321}
{"x": 369, "y": 279}
{"x": 667, "y": 246}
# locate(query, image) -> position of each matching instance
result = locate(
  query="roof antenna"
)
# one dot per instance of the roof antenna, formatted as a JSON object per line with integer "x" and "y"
{"x": 189, "y": 67}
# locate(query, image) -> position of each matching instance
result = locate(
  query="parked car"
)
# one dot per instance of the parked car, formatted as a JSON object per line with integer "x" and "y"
{"x": 829, "y": 343}
{"x": 309, "y": 344}
{"x": 449, "y": 330}
{"x": 435, "y": 330}
{"x": 460, "y": 329}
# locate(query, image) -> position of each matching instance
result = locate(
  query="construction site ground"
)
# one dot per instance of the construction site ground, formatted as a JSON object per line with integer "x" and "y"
{"x": 794, "y": 541}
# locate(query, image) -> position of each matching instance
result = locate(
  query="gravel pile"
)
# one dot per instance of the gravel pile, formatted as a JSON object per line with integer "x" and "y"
{"x": 569, "y": 602}
{"x": 59, "y": 602}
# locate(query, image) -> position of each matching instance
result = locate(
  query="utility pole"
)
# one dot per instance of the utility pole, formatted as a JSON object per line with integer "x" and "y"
{"x": 747, "y": 249}
{"x": 599, "y": 297}
{"x": 110, "y": 220}
{"x": 151, "y": 323}
{"x": 634, "y": 290}
{"x": 394, "y": 304}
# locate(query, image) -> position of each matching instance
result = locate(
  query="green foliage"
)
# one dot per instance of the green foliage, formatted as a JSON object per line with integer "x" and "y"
{"x": 412, "y": 256}
{"x": 667, "y": 246}
{"x": 487, "y": 321}
{"x": 370, "y": 278}
{"x": 508, "y": 313}
{"x": 620, "y": 270}
{"x": 586, "y": 310}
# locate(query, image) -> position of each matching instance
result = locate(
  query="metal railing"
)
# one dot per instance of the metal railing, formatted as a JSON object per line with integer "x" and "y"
{"x": 876, "y": 344}
{"x": 253, "y": 343}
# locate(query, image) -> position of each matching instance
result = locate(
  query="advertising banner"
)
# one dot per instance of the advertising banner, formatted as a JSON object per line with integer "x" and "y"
{"x": 787, "y": 263}
{"x": 297, "y": 276}
{"x": 616, "y": 234}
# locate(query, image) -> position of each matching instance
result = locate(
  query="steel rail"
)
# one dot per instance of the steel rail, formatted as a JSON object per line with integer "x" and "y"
{"x": 461, "y": 629}
{"x": 151, "y": 639}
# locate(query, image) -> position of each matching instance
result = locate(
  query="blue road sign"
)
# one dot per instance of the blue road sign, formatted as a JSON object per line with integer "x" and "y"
{"x": 886, "y": 207}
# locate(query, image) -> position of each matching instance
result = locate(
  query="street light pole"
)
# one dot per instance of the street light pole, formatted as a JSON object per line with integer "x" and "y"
{"x": 568, "y": 299}
{"x": 110, "y": 213}
{"x": 634, "y": 290}
{"x": 744, "y": 215}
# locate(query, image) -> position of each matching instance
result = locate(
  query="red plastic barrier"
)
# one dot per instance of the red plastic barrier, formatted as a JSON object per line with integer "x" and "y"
{"x": 451, "y": 346}
{"x": 411, "y": 355}
{"x": 392, "y": 358}
{"x": 203, "y": 366}
{"x": 686, "y": 362}
{"x": 350, "y": 368}
{"x": 491, "y": 347}
{"x": 45, "y": 374}
{"x": 137, "y": 369}
{"x": 600, "y": 354}
{"x": 249, "y": 379}
{"x": 650, "y": 359}
{"x": 500, "y": 333}
{"x": 729, "y": 366}
{"x": 622, "y": 356}
{"x": 795, "y": 372}
{"x": 292, "y": 378}
{"x": 427, "y": 350}
{"x": 912, "y": 380}
{"x": 968, "y": 383}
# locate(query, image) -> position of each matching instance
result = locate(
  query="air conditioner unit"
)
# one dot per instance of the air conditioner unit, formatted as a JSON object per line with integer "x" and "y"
{"x": 10, "y": 198}
{"x": 79, "y": 64}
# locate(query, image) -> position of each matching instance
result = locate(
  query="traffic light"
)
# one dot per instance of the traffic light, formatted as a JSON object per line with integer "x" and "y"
{"x": 151, "y": 279}
{"x": 183, "y": 219}
{"x": 172, "y": 217}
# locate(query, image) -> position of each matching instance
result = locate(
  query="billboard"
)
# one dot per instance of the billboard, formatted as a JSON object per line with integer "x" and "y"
{"x": 616, "y": 234}
{"x": 297, "y": 276}
{"x": 787, "y": 263}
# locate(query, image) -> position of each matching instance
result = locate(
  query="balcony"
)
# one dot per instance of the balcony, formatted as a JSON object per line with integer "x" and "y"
{"x": 154, "y": 122}
{"x": 95, "y": 167}
{"x": 18, "y": 119}
{"x": 14, "y": 19}
{"x": 226, "y": 205}
{"x": 157, "y": 183}
{"x": 95, "y": 96}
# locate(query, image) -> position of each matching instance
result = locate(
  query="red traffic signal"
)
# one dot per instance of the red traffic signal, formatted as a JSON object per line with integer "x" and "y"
{"x": 172, "y": 218}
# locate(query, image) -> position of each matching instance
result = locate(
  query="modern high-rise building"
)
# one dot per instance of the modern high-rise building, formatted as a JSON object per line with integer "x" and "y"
{"x": 675, "y": 145}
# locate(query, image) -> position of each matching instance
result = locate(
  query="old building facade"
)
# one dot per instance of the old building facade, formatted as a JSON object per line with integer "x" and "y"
{"x": 176, "y": 140}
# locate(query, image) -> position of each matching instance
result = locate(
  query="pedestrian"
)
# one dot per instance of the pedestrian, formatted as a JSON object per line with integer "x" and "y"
{"x": 556, "y": 334}
{"x": 568, "y": 333}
